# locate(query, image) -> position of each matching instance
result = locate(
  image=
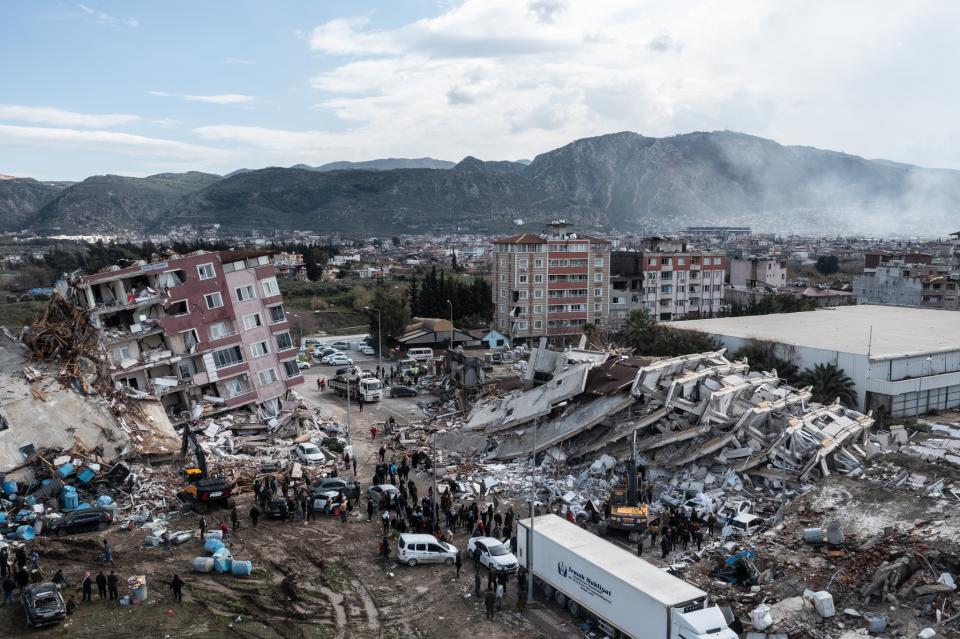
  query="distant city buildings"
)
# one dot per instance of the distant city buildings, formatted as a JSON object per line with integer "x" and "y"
{"x": 758, "y": 272}
{"x": 924, "y": 285}
{"x": 205, "y": 332}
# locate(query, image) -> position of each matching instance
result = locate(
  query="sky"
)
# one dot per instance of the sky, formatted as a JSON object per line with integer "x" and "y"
{"x": 136, "y": 88}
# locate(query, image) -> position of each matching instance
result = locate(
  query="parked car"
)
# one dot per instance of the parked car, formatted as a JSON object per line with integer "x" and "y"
{"x": 402, "y": 391}
{"x": 339, "y": 360}
{"x": 348, "y": 487}
{"x": 367, "y": 350}
{"x": 43, "y": 604}
{"x": 377, "y": 492}
{"x": 343, "y": 346}
{"x": 493, "y": 553}
{"x": 320, "y": 353}
{"x": 276, "y": 509}
{"x": 321, "y": 498}
{"x": 424, "y": 549}
{"x": 82, "y": 521}
{"x": 309, "y": 453}
{"x": 325, "y": 359}
{"x": 302, "y": 364}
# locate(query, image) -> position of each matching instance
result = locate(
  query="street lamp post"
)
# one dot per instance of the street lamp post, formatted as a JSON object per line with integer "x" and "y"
{"x": 533, "y": 513}
{"x": 349, "y": 430}
{"x": 451, "y": 324}
{"x": 433, "y": 503}
{"x": 379, "y": 336}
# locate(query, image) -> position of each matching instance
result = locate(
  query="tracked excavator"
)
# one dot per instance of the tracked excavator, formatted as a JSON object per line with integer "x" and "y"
{"x": 202, "y": 492}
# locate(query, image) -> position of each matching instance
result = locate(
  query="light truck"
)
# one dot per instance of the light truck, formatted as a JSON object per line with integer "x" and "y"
{"x": 628, "y": 597}
{"x": 359, "y": 385}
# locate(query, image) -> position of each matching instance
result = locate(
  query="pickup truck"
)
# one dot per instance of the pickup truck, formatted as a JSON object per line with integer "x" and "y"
{"x": 625, "y": 595}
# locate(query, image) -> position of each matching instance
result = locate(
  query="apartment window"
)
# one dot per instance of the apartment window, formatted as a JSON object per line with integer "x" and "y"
{"x": 206, "y": 271}
{"x": 716, "y": 287}
{"x": 236, "y": 386}
{"x": 277, "y": 314}
{"x": 284, "y": 342}
{"x": 598, "y": 307}
{"x": 521, "y": 326}
{"x": 268, "y": 376}
{"x": 598, "y": 262}
{"x": 666, "y": 275}
{"x": 681, "y": 261}
{"x": 537, "y": 310}
{"x": 503, "y": 264}
{"x": 503, "y": 292}
{"x": 290, "y": 368}
{"x": 538, "y": 279}
{"x": 270, "y": 287}
{"x": 538, "y": 324}
{"x": 538, "y": 263}
{"x": 537, "y": 294}
{"x": 618, "y": 300}
{"x": 598, "y": 277}
{"x": 523, "y": 295}
{"x": 694, "y": 275}
{"x": 652, "y": 261}
{"x": 178, "y": 309}
{"x": 260, "y": 349}
{"x": 251, "y": 322}
{"x": 227, "y": 357}
{"x": 522, "y": 279}
{"x": 503, "y": 308}
{"x": 245, "y": 293}
{"x": 220, "y": 330}
{"x": 503, "y": 278}
{"x": 524, "y": 263}
{"x": 598, "y": 292}
{"x": 667, "y": 288}
{"x": 214, "y": 300}
{"x": 665, "y": 261}
{"x": 121, "y": 353}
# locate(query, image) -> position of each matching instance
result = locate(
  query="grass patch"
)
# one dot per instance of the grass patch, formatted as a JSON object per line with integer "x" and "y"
{"x": 15, "y": 315}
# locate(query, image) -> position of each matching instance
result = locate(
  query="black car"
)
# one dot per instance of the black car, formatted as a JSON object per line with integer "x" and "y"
{"x": 277, "y": 509}
{"x": 402, "y": 391}
{"x": 346, "y": 486}
{"x": 43, "y": 604}
{"x": 83, "y": 520}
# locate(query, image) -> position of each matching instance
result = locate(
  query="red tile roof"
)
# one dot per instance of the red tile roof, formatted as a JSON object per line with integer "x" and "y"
{"x": 523, "y": 238}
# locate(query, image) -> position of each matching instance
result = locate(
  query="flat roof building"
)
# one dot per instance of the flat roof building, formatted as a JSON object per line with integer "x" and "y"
{"x": 904, "y": 359}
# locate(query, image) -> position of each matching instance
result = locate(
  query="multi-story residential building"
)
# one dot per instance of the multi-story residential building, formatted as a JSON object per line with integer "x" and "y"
{"x": 205, "y": 332}
{"x": 758, "y": 272}
{"x": 289, "y": 265}
{"x": 923, "y": 285}
{"x": 668, "y": 279}
{"x": 550, "y": 284}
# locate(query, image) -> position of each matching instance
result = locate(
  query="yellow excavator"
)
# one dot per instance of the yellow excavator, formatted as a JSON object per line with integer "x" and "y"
{"x": 626, "y": 511}
{"x": 201, "y": 491}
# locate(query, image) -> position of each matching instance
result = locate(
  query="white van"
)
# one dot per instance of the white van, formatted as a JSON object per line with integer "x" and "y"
{"x": 424, "y": 549}
{"x": 421, "y": 354}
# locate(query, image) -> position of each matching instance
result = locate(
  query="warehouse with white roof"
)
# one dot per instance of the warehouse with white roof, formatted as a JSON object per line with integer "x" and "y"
{"x": 904, "y": 359}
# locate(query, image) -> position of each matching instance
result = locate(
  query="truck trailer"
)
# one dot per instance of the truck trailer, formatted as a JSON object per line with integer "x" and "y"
{"x": 627, "y": 596}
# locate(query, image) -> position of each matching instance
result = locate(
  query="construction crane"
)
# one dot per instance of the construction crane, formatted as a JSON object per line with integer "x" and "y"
{"x": 202, "y": 491}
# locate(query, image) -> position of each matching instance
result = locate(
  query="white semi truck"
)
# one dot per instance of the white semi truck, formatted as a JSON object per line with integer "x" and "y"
{"x": 628, "y": 597}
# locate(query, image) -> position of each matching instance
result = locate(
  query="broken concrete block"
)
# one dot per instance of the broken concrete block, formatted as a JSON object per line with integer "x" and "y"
{"x": 823, "y": 602}
{"x": 927, "y": 633}
{"x": 760, "y": 617}
{"x": 947, "y": 580}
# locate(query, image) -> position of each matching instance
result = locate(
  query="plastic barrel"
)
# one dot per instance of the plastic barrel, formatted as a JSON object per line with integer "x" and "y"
{"x": 241, "y": 568}
{"x": 69, "y": 498}
{"x": 814, "y": 535}
{"x": 83, "y": 505}
{"x": 9, "y": 487}
{"x": 3, "y": 517}
{"x": 223, "y": 553}
{"x": 25, "y": 533}
{"x": 212, "y": 545}
{"x": 85, "y": 475}
{"x": 65, "y": 471}
{"x": 222, "y": 564}
{"x": 202, "y": 564}
{"x": 214, "y": 534}
{"x": 104, "y": 500}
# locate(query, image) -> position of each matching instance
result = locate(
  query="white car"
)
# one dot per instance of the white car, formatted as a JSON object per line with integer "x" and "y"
{"x": 326, "y": 358}
{"x": 493, "y": 553}
{"x": 309, "y": 453}
{"x": 302, "y": 364}
{"x": 367, "y": 350}
{"x": 424, "y": 549}
{"x": 744, "y": 525}
{"x": 339, "y": 360}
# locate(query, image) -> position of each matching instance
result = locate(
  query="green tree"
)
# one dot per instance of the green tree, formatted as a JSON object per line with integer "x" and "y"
{"x": 638, "y": 329}
{"x": 644, "y": 334}
{"x": 828, "y": 383}
{"x": 394, "y": 305}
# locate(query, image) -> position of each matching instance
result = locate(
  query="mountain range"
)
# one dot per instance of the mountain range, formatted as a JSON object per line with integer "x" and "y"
{"x": 623, "y": 181}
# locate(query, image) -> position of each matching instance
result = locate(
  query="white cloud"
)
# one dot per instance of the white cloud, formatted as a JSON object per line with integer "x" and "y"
{"x": 106, "y": 18}
{"x": 59, "y": 117}
{"x": 239, "y": 61}
{"x": 223, "y": 98}
{"x": 135, "y": 145}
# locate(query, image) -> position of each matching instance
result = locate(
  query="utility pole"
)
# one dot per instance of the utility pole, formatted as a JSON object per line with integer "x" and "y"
{"x": 533, "y": 497}
{"x": 349, "y": 437}
{"x": 436, "y": 497}
{"x": 379, "y": 336}
{"x": 451, "y": 324}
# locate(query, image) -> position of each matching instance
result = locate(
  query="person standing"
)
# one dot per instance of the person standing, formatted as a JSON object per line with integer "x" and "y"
{"x": 101, "y": 585}
{"x": 177, "y": 587}
{"x": 458, "y": 563}
{"x": 640, "y": 545}
{"x": 354, "y": 460}
{"x": 360, "y": 402}
{"x": 9, "y": 585}
{"x": 234, "y": 519}
{"x": 23, "y": 578}
{"x": 108, "y": 554}
{"x": 112, "y": 581}
{"x": 477, "y": 582}
{"x": 254, "y": 514}
{"x": 203, "y": 528}
{"x": 489, "y": 601}
{"x": 665, "y": 545}
{"x": 87, "y": 586}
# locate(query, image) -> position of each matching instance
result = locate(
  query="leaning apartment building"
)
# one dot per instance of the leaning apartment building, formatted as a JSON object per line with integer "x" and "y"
{"x": 204, "y": 332}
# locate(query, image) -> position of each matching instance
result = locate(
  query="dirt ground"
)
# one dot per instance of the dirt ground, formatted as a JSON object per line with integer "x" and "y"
{"x": 317, "y": 579}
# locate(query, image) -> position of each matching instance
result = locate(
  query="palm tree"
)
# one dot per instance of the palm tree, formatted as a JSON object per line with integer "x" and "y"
{"x": 828, "y": 383}
{"x": 639, "y": 328}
